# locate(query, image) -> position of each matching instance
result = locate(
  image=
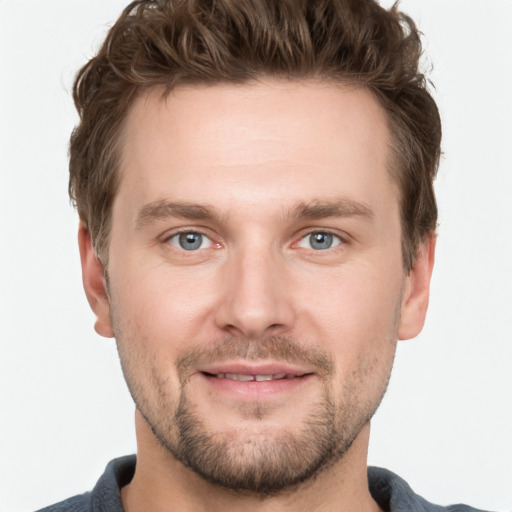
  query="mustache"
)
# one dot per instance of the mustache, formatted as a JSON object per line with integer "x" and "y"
{"x": 283, "y": 349}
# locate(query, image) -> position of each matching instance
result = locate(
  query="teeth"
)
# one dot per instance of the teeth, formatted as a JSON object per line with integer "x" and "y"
{"x": 247, "y": 378}
{"x": 261, "y": 378}
{"x": 240, "y": 377}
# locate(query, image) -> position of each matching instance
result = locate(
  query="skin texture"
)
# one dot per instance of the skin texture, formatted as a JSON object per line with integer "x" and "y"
{"x": 256, "y": 170}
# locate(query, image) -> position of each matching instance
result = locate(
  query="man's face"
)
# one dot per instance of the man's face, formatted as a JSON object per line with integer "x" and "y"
{"x": 255, "y": 275}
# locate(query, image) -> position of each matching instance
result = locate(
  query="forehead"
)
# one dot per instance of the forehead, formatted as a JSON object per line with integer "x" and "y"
{"x": 281, "y": 141}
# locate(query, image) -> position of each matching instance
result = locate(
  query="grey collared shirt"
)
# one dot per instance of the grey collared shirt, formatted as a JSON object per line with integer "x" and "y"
{"x": 391, "y": 492}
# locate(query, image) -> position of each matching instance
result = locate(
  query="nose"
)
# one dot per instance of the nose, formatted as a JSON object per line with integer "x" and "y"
{"x": 255, "y": 298}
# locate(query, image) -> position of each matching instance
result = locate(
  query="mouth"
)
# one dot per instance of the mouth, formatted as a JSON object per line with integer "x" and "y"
{"x": 261, "y": 372}
{"x": 245, "y": 377}
{"x": 255, "y": 382}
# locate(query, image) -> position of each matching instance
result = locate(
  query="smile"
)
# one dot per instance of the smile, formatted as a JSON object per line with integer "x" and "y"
{"x": 254, "y": 382}
{"x": 242, "y": 377}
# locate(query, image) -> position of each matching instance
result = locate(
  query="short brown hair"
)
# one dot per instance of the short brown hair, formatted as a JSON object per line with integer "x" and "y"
{"x": 175, "y": 42}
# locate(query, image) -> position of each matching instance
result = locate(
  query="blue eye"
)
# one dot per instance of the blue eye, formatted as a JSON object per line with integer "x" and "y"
{"x": 190, "y": 241}
{"x": 319, "y": 241}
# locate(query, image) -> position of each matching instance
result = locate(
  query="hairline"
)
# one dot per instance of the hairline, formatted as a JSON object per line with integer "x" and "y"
{"x": 394, "y": 159}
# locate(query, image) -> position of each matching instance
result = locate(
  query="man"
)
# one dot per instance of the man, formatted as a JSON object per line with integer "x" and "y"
{"x": 254, "y": 183}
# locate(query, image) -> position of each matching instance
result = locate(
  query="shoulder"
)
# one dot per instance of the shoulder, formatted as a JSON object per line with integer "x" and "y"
{"x": 106, "y": 495}
{"x": 81, "y": 503}
{"x": 394, "y": 494}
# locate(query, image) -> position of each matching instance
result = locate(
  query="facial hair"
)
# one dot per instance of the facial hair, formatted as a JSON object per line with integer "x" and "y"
{"x": 265, "y": 461}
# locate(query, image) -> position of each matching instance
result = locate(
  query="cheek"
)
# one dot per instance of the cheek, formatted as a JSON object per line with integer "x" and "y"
{"x": 163, "y": 299}
{"x": 147, "y": 349}
{"x": 355, "y": 300}
{"x": 356, "y": 317}
{"x": 159, "y": 315}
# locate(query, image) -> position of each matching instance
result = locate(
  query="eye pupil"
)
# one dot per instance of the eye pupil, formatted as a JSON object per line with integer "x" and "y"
{"x": 320, "y": 241}
{"x": 190, "y": 241}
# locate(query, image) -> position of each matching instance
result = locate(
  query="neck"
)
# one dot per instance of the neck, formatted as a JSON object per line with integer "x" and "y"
{"x": 163, "y": 484}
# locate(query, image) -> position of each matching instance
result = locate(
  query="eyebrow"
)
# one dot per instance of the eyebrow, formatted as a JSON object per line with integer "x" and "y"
{"x": 159, "y": 210}
{"x": 337, "y": 208}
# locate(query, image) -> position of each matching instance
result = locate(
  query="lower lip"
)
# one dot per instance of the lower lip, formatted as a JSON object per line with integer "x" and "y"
{"x": 256, "y": 390}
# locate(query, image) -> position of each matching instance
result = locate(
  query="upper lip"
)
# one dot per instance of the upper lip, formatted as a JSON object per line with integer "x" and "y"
{"x": 245, "y": 368}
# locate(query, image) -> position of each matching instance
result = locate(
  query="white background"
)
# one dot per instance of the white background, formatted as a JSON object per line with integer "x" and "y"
{"x": 446, "y": 424}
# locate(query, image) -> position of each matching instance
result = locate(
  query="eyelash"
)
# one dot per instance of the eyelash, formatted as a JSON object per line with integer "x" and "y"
{"x": 186, "y": 231}
{"x": 304, "y": 236}
{"x": 334, "y": 236}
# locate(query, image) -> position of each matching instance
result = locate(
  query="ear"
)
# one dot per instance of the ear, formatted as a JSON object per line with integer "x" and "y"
{"x": 95, "y": 286}
{"x": 416, "y": 292}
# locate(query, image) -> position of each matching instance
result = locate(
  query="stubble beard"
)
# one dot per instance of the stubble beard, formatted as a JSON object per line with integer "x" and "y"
{"x": 262, "y": 462}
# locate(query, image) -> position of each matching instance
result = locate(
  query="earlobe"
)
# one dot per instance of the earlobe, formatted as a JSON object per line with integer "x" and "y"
{"x": 416, "y": 292}
{"x": 95, "y": 287}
